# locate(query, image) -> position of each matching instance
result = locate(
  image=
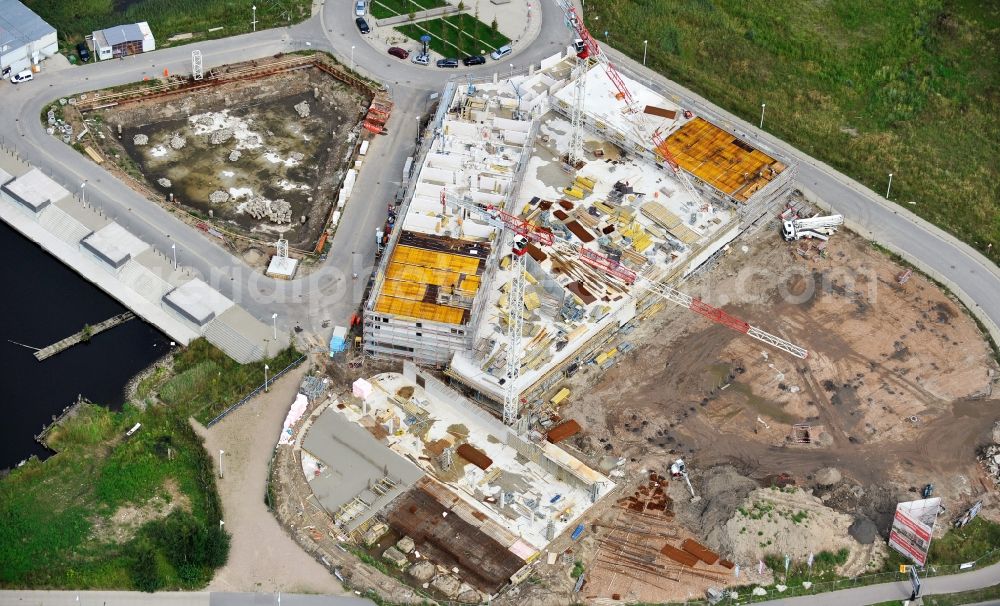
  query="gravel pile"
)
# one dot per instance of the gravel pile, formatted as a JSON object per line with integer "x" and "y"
{"x": 177, "y": 141}
{"x": 140, "y": 139}
{"x": 221, "y": 136}
{"x": 164, "y": 182}
{"x": 235, "y": 155}
{"x": 302, "y": 109}
{"x": 218, "y": 197}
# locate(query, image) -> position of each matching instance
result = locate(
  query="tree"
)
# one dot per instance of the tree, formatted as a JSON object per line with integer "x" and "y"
{"x": 144, "y": 570}
{"x": 494, "y": 24}
{"x": 461, "y": 5}
{"x": 87, "y": 332}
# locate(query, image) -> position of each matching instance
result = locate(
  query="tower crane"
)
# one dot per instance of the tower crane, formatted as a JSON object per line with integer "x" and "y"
{"x": 587, "y": 47}
{"x": 525, "y": 232}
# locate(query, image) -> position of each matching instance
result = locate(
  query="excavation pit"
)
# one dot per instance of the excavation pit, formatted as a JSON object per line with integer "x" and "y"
{"x": 260, "y": 156}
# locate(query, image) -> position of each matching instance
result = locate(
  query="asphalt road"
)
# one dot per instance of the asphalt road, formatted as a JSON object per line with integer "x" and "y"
{"x": 171, "y": 598}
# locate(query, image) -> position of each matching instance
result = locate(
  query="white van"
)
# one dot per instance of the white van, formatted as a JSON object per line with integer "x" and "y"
{"x": 22, "y": 76}
{"x": 501, "y": 52}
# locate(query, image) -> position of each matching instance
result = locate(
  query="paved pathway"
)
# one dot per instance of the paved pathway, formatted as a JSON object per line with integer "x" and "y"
{"x": 872, "y": 594}
{"x": 203, "y": 598}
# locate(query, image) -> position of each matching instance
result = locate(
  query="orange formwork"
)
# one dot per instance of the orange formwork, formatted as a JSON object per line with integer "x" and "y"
{"x": 720, "y": 159}
{"x": 414, "y": 277}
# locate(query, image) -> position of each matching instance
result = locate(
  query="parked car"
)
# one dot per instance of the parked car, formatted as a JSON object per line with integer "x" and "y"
{"x": 359, "y": 8}
{"x": 83, "y": 52}
{"x": 399, "y": 53}
{"x": 474, "y": 60}
{"x": 447, "y": 63}
{"x": 421, "y": 59}
{"x": 362, "y": 25}
{"x": 501, "y": 52}
{"x": 22, "y": 76}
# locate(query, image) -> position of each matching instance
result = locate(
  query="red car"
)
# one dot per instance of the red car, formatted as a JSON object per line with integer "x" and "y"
{"x": 400, "y": 53}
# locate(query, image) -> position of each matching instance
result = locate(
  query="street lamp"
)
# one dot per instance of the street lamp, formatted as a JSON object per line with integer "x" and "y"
{"x": 417, "y": 118}
{"x": 511, "y": 70}
{"x": 173, "y": 247}
{"x": 352, "y": 57}
{"x": 762, "y": 106}
{"x": 645, "y": 44}
{"x": 888, "y": 189}
{"x": 254, "y": 7}
{"x": 221, "y": 452}
{"x": 266, "y": 368}
{"x": 274, "y": 323}
{"x": 83, "y": 193}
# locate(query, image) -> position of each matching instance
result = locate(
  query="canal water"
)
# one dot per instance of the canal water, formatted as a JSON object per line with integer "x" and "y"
{"x": 43, "y": 302}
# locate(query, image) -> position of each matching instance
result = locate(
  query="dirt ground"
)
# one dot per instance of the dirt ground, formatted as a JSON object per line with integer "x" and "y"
{"x": 255, "y": 155}
{"x": 263, "y": 557}
{"x": 896, "y": 393}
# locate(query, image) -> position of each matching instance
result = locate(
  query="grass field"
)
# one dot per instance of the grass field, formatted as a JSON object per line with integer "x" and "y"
{"x": 871, "y": 87}
{"x": 60, "y": 520}
{"x": 382, "y": 9}
{"x": 76, "y": 18}
{"x": 456, "y": 36}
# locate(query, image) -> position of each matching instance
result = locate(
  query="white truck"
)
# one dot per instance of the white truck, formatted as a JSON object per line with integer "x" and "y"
{"x": 814, "y": 227}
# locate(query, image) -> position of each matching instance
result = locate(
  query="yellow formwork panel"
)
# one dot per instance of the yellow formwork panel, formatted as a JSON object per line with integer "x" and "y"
{"x": 404, "y": 290}
{"x": 418, "y": 310}
{"x": 435, "y": 259}
{"x": 720, "y": 159}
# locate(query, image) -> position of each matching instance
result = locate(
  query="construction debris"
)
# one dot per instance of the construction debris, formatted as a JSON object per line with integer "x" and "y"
{"x": 140, "y": 139}
{"x": 302, "y": 109}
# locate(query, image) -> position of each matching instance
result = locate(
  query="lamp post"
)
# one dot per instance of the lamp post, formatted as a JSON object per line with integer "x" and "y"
{"x": 274, "y": 323}
{"x": 888, "y": 189}
{"x": 83, "y": 193}
{"x": 645, "y": 45}
{"x": 511, "y": 70}
{"x": 221, "y": 452}
{"x": 266, "y": 368}
{"x": 173, "y": 247}
{"x": 417, "y": 118}
{"x": 254, "y": 8}
{"x": 352, "y": 57}
{"x": 762, "y": 106}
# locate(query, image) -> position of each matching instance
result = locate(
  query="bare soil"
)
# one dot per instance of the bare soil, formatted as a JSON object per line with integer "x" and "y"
{"x": 896, "y": 393}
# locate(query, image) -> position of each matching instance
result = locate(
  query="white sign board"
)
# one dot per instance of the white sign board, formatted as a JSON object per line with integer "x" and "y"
{"x": 912, "y": 528}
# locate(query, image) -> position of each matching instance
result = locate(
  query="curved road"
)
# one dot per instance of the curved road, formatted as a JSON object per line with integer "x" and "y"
{"x": 328, "y": 294}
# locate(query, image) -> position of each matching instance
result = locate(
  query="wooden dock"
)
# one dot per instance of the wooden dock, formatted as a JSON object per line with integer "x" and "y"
{"x": 83, "y": 335}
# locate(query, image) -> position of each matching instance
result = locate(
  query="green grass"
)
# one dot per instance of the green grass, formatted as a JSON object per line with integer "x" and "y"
{"x": 207, "y": 381}
{"x": 52, "y": 512}
{"x": 73, "y": 20}
{"x": 456, "y": 36}
{"x": 382, "y": 9}
{"x": 871, "y": 87}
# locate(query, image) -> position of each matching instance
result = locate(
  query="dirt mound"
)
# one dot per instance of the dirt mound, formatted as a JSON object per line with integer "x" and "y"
{"x": 863, "y": 530}
{"x": 722, "y": 490}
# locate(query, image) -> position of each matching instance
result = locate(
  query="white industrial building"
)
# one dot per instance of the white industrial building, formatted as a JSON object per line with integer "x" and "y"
{"x": 25, "y": 39}
{"x": 123, "y": 40}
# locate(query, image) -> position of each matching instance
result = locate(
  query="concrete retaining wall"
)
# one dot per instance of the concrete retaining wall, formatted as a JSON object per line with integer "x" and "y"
{"x": 417, "y": 16}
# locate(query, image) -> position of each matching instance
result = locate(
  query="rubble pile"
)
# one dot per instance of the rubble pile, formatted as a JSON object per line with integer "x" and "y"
{"x": 302, "y": 109}
{"x": 164, "y": 182}
{"x": 235, "y": 155}
{"x": 177, "y": 141}
{"x": 276, "y": 211}
{"x": 221, "y": 136}
{"x": 990, "y": 456}
{"x": 140, "y": 139}
{"x": 218, "y": 197}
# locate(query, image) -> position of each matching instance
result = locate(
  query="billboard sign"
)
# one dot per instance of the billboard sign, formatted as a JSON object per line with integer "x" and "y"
{"x": 912, "y": 528}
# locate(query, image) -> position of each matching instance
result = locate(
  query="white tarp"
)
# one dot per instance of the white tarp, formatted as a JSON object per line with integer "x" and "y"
{"x": 362, "y": 389}
{"x": 294, "y": 414}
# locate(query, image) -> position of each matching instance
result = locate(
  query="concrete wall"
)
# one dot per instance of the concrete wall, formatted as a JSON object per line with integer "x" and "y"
{"x": 418, "y": 16}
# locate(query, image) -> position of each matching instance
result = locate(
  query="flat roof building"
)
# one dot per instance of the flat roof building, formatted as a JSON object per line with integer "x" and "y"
{"x": 25, "y": 39}
{"x": 123, "y": 40}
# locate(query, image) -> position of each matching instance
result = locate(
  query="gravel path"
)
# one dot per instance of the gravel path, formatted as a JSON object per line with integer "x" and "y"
{"x": 263, "y": 557}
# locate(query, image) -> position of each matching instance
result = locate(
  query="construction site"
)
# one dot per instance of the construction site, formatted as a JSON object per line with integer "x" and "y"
{"x": 255, "y": 152}
{"x": 559, "y": 228}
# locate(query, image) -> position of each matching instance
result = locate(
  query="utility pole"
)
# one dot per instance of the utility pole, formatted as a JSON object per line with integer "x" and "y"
{"x": 254, "y": 7}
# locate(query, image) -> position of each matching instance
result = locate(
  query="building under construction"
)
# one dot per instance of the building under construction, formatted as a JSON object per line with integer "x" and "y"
{"x": 442, "y": 291}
